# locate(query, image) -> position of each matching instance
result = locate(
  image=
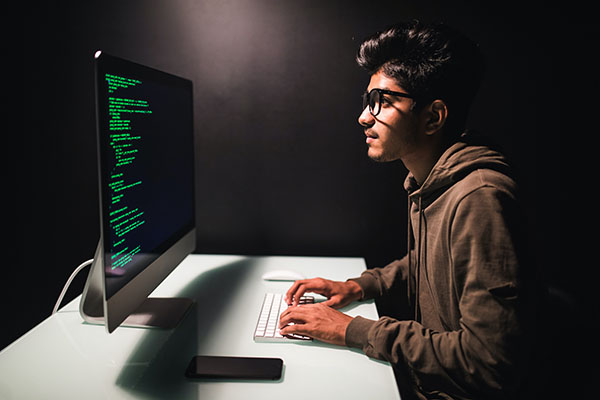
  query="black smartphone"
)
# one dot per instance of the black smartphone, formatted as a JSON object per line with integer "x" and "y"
{"x": 220, "y": 367}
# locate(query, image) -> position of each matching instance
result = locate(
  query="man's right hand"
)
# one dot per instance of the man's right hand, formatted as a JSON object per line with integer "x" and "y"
{"x": 339, "y": 294}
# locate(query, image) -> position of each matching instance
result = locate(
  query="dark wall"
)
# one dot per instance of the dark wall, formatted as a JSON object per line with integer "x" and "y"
{"x": 282, "y": 166}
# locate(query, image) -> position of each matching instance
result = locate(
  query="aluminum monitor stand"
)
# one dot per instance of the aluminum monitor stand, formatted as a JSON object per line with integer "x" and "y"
{"x": 154, "y": 312}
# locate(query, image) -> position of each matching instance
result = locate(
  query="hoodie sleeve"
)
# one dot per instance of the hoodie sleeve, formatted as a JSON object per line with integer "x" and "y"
{"x": 378, "y": 282}
{"x": 483, "y": 356}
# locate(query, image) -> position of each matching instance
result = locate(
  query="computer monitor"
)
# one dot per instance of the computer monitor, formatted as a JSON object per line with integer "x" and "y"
{"x": 145, "y": 141}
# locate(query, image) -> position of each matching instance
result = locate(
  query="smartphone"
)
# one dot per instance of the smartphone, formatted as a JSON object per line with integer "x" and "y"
{"x": 220, "y": 367}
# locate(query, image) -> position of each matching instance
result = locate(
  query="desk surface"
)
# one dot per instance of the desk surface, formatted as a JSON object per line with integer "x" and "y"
{"x": 65, "y": 358}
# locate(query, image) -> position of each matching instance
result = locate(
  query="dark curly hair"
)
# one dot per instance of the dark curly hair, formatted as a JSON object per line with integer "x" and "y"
{"x": 430, "y": 61}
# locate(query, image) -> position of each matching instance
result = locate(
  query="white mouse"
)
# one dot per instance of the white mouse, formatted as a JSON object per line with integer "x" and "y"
{"x": 281, "y": 275}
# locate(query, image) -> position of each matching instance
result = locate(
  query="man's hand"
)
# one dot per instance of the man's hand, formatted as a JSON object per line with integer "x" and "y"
{"x": 317, "y": 321}
{"x": 339, "y": 294}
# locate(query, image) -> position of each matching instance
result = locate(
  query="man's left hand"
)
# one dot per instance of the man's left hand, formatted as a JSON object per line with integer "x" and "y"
{"x": 317, "y": 321}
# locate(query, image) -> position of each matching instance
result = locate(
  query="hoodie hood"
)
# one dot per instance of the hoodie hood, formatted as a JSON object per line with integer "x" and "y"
{"x": 460, "y": 159}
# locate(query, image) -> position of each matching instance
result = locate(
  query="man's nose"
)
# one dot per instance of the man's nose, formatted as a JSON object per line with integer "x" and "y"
{"x": 365, "y": 118}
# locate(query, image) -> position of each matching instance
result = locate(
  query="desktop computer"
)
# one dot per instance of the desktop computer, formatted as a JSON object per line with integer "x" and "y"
{"x": 145, "y": 141}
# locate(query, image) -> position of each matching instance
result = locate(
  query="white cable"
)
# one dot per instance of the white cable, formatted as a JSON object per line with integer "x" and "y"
{"x": 64, "y": 291}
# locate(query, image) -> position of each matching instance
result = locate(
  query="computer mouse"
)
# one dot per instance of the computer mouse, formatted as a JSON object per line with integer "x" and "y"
{"x": 281, "y": 275}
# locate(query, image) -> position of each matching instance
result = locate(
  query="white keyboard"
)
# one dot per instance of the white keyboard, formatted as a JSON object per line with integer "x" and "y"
{"x": 267, "y": 327}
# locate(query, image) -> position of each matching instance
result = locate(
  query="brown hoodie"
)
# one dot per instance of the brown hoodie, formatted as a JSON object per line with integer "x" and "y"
{"x": 467, "y": 337}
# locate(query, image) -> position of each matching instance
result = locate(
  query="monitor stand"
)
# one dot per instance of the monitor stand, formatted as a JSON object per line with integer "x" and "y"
{"x": 154, "y": 312}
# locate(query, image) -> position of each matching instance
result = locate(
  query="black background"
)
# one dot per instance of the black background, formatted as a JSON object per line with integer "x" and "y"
{"x": 281, "y": 160}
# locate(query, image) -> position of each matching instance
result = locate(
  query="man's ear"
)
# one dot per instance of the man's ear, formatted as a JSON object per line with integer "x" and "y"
{"x": 435, "y": 116}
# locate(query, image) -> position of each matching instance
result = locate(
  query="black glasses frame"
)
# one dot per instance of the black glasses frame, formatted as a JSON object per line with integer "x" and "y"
{"x": 375, "y": 103}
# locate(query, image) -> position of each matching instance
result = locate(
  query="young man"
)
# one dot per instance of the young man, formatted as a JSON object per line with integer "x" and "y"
{"x": 462, "y": 274}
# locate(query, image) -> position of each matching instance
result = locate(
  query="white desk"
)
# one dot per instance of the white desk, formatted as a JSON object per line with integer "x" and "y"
{"x": 65, "y": 358}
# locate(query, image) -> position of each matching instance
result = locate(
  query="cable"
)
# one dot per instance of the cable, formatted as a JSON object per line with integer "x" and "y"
{"x": 64, "y": 291}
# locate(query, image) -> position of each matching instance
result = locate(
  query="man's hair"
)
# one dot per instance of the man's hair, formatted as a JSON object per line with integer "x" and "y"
{"x": 429, "y": 61}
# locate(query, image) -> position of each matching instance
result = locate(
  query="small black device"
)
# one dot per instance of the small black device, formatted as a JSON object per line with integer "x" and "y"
{"x": 221, "y": 367}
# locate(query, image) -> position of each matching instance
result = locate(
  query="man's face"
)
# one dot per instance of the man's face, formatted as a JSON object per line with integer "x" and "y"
{"x": 393, "y": 133}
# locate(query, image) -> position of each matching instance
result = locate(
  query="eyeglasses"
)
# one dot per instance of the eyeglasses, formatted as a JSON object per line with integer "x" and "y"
{"x": 374, "y": 98}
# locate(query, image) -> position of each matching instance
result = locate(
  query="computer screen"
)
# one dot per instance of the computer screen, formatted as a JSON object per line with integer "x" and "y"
{"x": 146, "y": 180}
